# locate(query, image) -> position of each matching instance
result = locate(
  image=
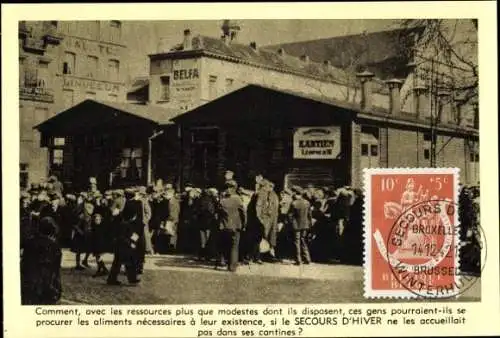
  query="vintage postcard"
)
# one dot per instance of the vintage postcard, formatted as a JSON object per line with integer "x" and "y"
{"x": 258, "y": 170}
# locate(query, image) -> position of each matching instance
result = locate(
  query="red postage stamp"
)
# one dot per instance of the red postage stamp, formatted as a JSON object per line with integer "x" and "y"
{"x": 411, "y": 233}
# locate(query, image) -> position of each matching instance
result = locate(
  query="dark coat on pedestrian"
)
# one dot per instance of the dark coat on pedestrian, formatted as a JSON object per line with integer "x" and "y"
{"x": 40, "y": 267}
{"x": 300, "y": 214}
{"x": 207, "y": 212}
{"x": 232, "y": 213}
{"x": 82, "y": 231}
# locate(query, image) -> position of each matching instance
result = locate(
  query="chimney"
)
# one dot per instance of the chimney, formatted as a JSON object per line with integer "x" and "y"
{"x": 230, "y": 31}
{"x": 187, "y": 42}
{"x": 394, "y": 96}
{"x": 366, "y": 89}
{"x": 421, "y": 101}
{"x": 445, "y": 112}
{"x": 253, "y": 45}
{"x": 281, "y": 52}
{"x": 304, "y": 58}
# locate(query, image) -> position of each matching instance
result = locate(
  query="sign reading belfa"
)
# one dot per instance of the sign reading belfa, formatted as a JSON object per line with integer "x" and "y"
{"x": 186, "y": 74}
{"x": 316, "y": 143}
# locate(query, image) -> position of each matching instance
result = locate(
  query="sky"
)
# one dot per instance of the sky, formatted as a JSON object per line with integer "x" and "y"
{"x": 143, "y": 37}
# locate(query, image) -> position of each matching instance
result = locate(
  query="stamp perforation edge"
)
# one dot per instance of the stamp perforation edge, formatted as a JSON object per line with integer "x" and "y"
{"x": 368, "y": 293}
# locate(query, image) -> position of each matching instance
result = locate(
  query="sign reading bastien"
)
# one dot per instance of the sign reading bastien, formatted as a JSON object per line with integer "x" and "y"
{"x": 318, "y": 143}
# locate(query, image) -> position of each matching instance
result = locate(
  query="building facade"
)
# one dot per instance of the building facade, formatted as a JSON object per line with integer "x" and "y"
{"x": 398, "y": 122}
{"x": 62, "y": 63}
{"x": 214, "y": 104}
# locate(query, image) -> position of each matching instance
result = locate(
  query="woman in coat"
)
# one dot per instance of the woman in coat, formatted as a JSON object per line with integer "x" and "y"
{"x": 41, "y": 266}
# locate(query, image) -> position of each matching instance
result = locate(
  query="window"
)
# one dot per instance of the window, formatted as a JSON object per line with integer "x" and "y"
{"x": 113, "y": 70}
{"x": 369, "y": 139}
{"x": 427, "y": 137}
{"x": 364, "y": 149}
{"x": 43, "y": 75}
{"x": 59, "y": 141}
{"x": 212, "y": 87}
{"x": 165, "y": 88}
{"x": 113, "y": 97}
{"x": 72, "y": 27}
{"x": 229, "y": 84}
{"x": 69, "y": 63}
{"x": 115, "y": 31}
{"x": 68, "y": 98}
{"x": 93, "y": 30}
{"x": 57, "y": 156}
{"x": 131, "y": 164}
{"x": 427, "y": 154}
{"x": 92, "y": 66}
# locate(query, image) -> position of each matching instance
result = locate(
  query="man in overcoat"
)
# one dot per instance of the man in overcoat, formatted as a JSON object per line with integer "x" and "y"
{"x": 232, "y": 220}
{"x": 301, "y": 220}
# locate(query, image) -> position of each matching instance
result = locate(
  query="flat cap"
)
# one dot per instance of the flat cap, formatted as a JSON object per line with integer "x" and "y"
{"x": 297, "y": 190}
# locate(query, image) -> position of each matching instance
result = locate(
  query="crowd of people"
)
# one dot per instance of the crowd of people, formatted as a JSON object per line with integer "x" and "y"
{"x": 224, "y": 226}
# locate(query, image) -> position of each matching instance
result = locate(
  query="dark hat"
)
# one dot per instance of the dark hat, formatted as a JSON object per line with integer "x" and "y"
{"x": 130, "y": 192}
{"x": 231, "y": 184}
{"x": 297, "y": 190}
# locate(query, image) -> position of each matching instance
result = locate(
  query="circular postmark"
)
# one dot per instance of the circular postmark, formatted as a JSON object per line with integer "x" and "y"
{"x": 428, "y": 253}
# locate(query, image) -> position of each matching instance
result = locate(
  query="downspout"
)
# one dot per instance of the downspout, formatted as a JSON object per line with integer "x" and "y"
{"x": 150, "y": 152}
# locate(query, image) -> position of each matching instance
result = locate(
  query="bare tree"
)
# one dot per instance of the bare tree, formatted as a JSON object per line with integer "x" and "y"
{"x": 445, "y": 52}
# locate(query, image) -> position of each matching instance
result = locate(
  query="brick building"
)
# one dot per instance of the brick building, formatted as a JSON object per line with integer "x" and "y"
{"x": 62, "y": 63}
{"x": 216, "y": 104}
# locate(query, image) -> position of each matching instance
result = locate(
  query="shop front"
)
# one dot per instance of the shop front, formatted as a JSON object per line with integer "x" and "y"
{"x": 287, "y": 137}
{"x": 108, "y": 141}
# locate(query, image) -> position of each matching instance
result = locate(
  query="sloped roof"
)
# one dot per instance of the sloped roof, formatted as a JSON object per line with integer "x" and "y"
{"x": 138, "y": 83}
{"x": 265, "y": 57}
{"x": 269, "y": 57}
{"x": 268, "y": 103}
{"x": 385, "y": 53}
{"x": 90, "y": 114}
{"x": 160, "y": 115}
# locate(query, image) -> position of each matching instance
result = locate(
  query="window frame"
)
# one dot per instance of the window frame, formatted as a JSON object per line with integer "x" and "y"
{"x": 66, "y": 65}
{"x": 113, "y": 68}
{"x": 92, "y": 73}
{"x": 165, "y": 88}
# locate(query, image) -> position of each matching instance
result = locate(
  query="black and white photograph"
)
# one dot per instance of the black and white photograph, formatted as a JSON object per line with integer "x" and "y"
{"x": 221, "y": 161}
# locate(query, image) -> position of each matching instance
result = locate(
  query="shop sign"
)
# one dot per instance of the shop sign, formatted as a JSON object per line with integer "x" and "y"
{"x": 316, "y": 143}
{"x": 76, "y": 83}
{"x": 90, "y": 47}
{"x": 186, "y": 80}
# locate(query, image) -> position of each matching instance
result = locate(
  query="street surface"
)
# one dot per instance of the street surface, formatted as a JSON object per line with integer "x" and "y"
{"x": 175, "y": 279}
